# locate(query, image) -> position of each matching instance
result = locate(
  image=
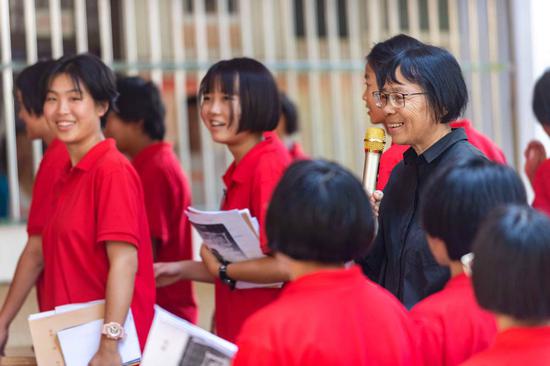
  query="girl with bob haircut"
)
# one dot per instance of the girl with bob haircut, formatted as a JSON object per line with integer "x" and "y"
{"x": 239, "y": 102}
{"x": 511, "y": 268}
{"x": 97, "y": 243}
{"x": 320, "y": 219}
{"x": 457, "y": 200}
{"x": 423, "y": 91}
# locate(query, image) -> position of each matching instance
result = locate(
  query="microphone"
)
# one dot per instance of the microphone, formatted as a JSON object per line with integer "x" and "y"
{"x": 375, "y": 139}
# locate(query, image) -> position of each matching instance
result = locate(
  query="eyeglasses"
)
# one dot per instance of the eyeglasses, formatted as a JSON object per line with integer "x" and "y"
{"x": 396, "y": 99}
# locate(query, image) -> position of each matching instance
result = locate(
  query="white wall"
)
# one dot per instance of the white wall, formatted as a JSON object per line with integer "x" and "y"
{"x": 12, "y": 241}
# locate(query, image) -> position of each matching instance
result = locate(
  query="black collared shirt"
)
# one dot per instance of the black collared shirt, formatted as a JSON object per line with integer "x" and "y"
{"x": 401, "y": 260}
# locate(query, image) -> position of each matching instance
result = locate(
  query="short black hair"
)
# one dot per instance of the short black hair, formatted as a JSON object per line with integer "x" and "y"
{"x": 541, "y": 99}
{"x": 459, "y": 196}
{"x": 290, "y": 112}
{"x": 88, "y": 69}
{"x": 140, "y": 100}
{"x": 259, "y": 96}
{"x": 31, "y": 83}
{"x": 383, "y": 52}
{"x": 320, "y": 212}
{"x": 438, "y": 74}
{"x": 511, "y": 264}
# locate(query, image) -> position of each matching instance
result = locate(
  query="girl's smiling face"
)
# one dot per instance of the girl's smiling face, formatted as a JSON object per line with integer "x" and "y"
{"x": 221, "y": 113}
{"x": 72, "y": 113}
{"x": 376, "y": 114}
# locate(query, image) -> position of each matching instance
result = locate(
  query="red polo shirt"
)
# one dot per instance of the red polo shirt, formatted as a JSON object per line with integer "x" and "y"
{"x": 167, "y": 196}
{"x": 482, "y": 142}
{"x": 451, "y": 324}
{"x": 249, "y": 185}
{"x": 394, "y": 154}
{"x": 516, "y": 346}
{"x": 51, "y": 167}
{"x": 296, "y": 152}
{"x": 541, "y": 187}
{"x": 98, "y": 200}
{"x": 330, "y": 317}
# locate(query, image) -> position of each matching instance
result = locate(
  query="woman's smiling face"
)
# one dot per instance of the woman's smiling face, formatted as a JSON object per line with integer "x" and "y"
{"x": 412, "y": 124}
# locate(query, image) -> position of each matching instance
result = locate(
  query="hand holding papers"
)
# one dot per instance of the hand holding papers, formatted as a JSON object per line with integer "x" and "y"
{"x": 173, "y": 341}
{"x": 232, "y": 235}
{"x": 70, "y": 334}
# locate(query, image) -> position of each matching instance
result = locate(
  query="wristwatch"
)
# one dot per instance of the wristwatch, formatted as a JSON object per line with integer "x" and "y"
{"x": 222, "y": 271}
{"x": 113, "y": 331}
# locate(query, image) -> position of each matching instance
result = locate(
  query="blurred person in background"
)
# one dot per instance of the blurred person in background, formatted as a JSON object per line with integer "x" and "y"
{"x": 138, "y": 128}
{"x": 289, "y": 124}
{"x": 29, "y": 92}
{"x": 537, "y": 166}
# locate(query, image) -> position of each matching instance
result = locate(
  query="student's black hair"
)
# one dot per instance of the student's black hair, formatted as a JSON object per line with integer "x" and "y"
{"x": 439, "y": 75}
{"x": 30, "y": 83}
{"x": 383, "y": 52}
{"x": 541, "y": 99}
{"x": 511, "y": 264}
{"x": 256, "y": 87}
{"x": 459, "y": 196}
{"x": 140, "y": 100}
{"x": 89, "y": 70}
{"x": 290, "y": 112}
{"x": 320, "y": 212}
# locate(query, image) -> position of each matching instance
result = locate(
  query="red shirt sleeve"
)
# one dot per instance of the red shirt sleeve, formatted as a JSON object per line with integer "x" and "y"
{"x": 541, "y": 186}
{"x": 118, "y": 210}
{"x": 261, "y": 196}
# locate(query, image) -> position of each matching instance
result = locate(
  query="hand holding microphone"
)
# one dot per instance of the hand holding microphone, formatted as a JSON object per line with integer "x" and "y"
{"x": 375, "y": 140}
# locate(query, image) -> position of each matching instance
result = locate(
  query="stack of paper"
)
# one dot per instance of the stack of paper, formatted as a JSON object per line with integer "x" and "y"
{"x": 232, "y": 235}
{"x": 173, "y": 341}
{"x": 70, "y": 335}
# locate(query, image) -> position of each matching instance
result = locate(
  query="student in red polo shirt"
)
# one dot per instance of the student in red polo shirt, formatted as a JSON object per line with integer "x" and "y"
{"x": 239, "y": 103}
{"x": 138, "y": 128}
{"x": 97, "y": 243}
{"x": 289, "y": 125}
{"x": 510, "y": 277}
{"x": 537, "y": 166}
{"x": 28, "y": 91}
{"x": 451, "y": 324}
{"x": 329, "y": 314}
{"x": 377, "y": 59}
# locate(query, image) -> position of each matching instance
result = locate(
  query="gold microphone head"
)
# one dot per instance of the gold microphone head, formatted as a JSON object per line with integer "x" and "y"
{"x": 375, "y": 139}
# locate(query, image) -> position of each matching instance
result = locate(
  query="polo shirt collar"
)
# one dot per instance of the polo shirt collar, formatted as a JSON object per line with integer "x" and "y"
{"x": 325, "y": 278}
{"x": 96, "y": 152}
{"x": 463, "y": 123}
{"x": 150, "y": 150}
{"x": 456, "y": 135}
{"x": 244, "y": 171}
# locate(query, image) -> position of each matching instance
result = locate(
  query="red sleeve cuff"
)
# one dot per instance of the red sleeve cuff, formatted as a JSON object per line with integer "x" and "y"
{"x": 121, "y": 237}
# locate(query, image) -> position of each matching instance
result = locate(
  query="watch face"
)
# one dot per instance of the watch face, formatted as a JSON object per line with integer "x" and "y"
{"x": 113, "y": 330}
